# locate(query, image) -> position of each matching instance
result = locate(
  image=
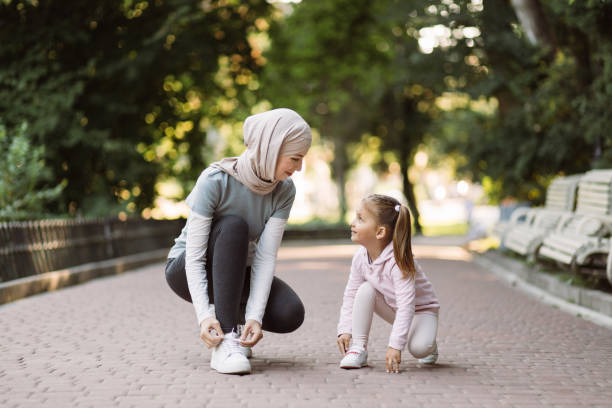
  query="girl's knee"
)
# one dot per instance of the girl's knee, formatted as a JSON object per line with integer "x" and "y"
{"x": 366, "y": 289}
{"x": 420, "y": 349}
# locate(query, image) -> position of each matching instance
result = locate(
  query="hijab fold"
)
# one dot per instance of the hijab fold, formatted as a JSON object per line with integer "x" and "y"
{"x": 267, "y": 136}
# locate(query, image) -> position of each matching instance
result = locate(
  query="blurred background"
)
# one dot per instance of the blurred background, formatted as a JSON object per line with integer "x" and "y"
{"x": 112, "y": 108}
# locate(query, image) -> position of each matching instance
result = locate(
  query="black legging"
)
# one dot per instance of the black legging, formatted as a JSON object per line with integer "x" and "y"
{"x": 229, "y": 280}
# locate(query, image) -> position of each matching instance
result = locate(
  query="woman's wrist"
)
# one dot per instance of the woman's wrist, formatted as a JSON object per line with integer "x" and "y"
{"x": 207, "y": 320}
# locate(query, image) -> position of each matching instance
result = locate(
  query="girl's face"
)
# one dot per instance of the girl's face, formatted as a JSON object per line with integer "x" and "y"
{"x": 364, "y": 228}
{"x": 287, "y": 165}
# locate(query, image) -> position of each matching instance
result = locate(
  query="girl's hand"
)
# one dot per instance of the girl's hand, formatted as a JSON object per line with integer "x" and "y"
{"x": 206, "y": 328}
{"x": 393, "y": 359}
{"x": 344, "y": 341}
{"x": 251, "y": 334}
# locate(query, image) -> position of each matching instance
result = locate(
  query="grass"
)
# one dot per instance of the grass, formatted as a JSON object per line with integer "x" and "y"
{"x": 577, "y": 280}
{"x": 428, "y": 230}
{"x": 483, "y": 245}
{"x": 452, "y": 229}
{"x": 564, "y": 275}
{"x": 318, "y": 223}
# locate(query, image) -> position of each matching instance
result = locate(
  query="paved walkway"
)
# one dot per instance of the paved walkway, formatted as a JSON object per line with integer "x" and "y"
{"x": 127, "y": 341}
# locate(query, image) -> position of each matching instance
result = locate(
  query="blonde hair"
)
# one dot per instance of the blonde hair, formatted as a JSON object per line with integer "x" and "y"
{"x": 384, "y": 210}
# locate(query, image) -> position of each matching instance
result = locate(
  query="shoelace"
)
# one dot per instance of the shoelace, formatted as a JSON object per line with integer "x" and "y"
{"x": 355, "y": 350}
{"x": 231, "y": 343}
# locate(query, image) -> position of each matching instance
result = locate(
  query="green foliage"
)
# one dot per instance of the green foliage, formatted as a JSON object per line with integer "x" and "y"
{"x": 335, "y": 67}
{"x": 324, "y": 57}
{"x": 23, "y": 175}
{"x": 361, "y": 73}
{"x": 121, "y": 92}
{"x": 552, "y": 115}
{"x": 125, "y": 93}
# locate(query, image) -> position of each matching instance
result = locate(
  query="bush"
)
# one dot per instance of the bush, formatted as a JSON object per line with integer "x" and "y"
{"x": 23, "y": 193}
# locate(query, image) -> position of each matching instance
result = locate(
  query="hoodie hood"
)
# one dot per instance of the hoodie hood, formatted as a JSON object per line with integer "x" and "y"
{"x": 377, "y": 267}
{"x": 385, "y": 255}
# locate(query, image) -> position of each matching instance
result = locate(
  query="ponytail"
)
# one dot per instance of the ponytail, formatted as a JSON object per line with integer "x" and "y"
{"x": 391, "y": 213}
{"x": 402, "y": 248}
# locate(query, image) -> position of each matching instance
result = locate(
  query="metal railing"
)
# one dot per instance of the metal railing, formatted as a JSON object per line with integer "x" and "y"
{"x": 34, "y": 247}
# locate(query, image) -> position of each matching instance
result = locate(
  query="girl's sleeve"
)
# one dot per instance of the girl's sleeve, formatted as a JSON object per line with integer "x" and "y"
{"x": 405, "y": 300}
{"x": 198, "y": 230}
{"x": 345, "y": 325}
{"x": 262, "y": 270}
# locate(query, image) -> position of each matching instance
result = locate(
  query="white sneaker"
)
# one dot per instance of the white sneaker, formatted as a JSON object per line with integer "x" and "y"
{"x": 246, "y": 351}
{"x": 227, "y": 358}
{"x": 355, "y": 357}
{"x": 432, "y": 358}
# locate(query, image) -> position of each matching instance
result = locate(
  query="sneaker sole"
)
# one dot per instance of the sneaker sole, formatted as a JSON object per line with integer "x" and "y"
{"x": 237, "y": 370}
{"x": 348, "y": 367}
{"x": 428, "y": 362}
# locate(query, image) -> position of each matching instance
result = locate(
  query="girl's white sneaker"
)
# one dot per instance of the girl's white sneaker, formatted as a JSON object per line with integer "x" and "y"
{"x": 355, "y": 357}
{"x": 227, "y": 357}
{"x": 430, "y": 359}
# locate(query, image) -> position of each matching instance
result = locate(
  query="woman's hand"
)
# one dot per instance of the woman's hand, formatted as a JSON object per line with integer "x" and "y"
{"x": 211, "y": 339}
{"x": 344, "y": 341}
{"x": 251, "y": 334}
{"x": 393, "y": 359}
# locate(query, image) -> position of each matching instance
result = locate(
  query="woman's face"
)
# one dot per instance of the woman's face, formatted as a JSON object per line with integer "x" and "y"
{"x": 287, "y": 165}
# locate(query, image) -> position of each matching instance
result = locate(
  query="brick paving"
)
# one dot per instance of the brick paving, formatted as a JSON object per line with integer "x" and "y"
{"x": 127, "y": 341}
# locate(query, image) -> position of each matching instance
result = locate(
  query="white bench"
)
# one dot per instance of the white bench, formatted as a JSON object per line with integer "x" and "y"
{"x": 560, "y": 197}
{"x": 520, "y": 216}
{"x": 582, "y": 241}
{"x": 561, "y": 193}
{"x": 526, "y": 239}
{"x": 609, "y": 264}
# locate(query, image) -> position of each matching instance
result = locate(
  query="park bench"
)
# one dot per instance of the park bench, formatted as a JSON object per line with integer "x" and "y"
{"x": 560, "y": 197}
{"x": 561, "y": 193}
{"x": 582, "y": 240}
{"x": 526, "y": 239}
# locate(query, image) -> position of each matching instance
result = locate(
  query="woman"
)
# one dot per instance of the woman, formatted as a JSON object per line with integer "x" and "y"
{"x": 226, "y": 253}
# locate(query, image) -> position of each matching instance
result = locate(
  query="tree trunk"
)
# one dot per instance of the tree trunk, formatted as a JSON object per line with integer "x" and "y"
{"x": 409, "y": 191}
{"x": 340, "y": 165}
{"x": 532, "y": 19}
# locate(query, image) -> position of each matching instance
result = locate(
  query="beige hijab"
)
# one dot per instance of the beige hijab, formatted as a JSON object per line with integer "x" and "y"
{"x": 267, "y": 136}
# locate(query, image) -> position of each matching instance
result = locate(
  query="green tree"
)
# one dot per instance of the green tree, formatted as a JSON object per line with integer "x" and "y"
{"x": 550, "y": 80}
{"x": 414, "y": 79}
{"x": 363, "y": 73}
{"x": 334, "y": 70}
{"x": 23, "y": 177}
{"x": 120, "y": 91}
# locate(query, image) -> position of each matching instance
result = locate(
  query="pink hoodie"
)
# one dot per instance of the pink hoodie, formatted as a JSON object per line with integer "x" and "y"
{"x": 405, "y": 296}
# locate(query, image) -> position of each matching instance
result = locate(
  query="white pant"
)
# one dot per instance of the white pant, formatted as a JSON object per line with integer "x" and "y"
{"x": 423, "y": 329}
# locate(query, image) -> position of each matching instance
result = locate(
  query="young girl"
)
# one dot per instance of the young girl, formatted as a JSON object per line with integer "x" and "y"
{"x": 386, "y": 279}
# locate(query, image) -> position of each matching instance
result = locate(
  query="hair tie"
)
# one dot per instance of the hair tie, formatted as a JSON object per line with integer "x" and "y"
{"x": 397, "y": 208}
